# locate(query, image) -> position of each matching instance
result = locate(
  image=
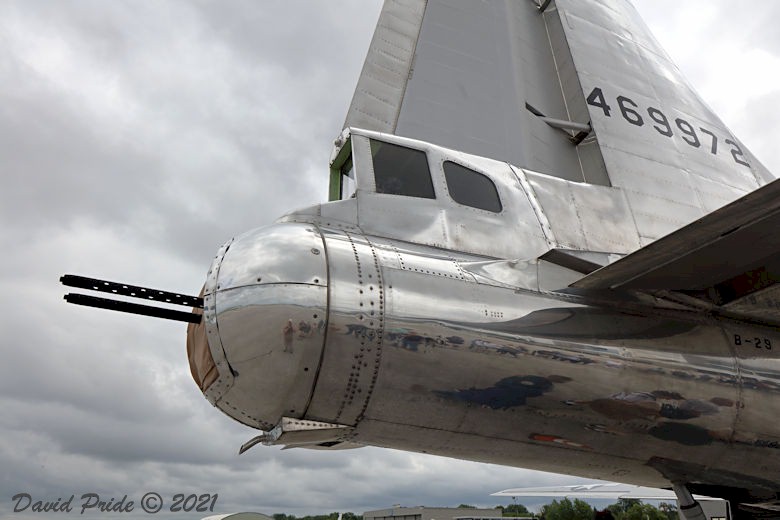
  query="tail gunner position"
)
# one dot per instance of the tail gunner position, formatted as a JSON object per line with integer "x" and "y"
{"x": 550, "y": 254}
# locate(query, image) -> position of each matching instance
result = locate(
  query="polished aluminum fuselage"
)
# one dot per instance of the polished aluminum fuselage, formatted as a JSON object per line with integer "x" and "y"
{"x": 417, "y": 348}
{"x": 426, "y": 321}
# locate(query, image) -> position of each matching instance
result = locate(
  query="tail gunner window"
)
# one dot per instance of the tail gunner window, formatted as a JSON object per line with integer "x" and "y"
{"x": 470, "y": 188}
{"x": 401, "y": 171}
{"x": 348, "y": 185}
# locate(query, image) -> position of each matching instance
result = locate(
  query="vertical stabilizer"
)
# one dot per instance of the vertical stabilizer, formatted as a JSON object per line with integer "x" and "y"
{"x": 379, "y": 93}
{"x": 574, "y": 89}
{"x": 674, "y": 158}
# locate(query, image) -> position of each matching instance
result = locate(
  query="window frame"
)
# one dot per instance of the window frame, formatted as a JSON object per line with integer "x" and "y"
{"x": 347, "y": 168}
{"x": 473, "y": 170}
{"x": 434, "y": 195}
{"x": 345, "y": 155}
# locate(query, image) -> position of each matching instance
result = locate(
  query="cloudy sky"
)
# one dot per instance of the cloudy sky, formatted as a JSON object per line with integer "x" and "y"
{"x": 135, "y": 138}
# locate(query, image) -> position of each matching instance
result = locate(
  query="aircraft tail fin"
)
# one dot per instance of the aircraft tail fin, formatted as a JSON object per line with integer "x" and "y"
{"x": 575, "y": 89}
{"x": 380, "y": 90}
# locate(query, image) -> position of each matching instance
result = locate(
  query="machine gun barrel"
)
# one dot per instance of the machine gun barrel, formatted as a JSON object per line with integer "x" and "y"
{"x": 132, "y": 291}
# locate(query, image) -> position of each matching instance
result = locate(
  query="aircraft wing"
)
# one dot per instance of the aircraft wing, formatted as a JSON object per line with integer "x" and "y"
{"x": 610, "y": 491}
{"x": 730, "y": 257}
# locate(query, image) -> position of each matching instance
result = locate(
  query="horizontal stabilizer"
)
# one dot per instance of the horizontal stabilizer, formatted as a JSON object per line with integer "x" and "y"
{"x": 726, "y": 255}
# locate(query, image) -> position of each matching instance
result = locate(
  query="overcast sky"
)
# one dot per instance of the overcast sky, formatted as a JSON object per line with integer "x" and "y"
{"x": 138, "y": 136}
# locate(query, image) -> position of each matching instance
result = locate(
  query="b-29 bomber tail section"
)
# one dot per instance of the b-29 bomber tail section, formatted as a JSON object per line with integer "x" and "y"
{"x": 574, "y": 89}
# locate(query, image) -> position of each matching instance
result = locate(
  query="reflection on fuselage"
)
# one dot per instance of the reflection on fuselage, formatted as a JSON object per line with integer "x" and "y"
{"x": 409, "y": 350}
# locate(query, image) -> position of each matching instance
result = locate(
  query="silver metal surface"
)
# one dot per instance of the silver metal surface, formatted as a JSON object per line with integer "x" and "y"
{"x": 296, "y": 433}
{"x": 225, "y": 377}
{"x": 762, "y": 305}
{"x": 555, "y": 61}
{"x": 427, "y": 325}
{"x": 442, "y": 222}
{"x": 500, "y": 372}
{"x": 584, "y": 216}
{"x": 355, "y": 330}
{"x": 382, "y": 84}
{"x": 490, "y": 367}
{"x": 668, "y": 181}
{"x": 262, "y": 257}
{"x": 270, "y": 316}
{"x": 539, "y": 213}
{"x": 566, "y": 125}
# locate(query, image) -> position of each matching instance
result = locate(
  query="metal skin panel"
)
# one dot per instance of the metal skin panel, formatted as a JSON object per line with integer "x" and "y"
{"x": 270, "y": 312}
{"x": 660, "y": 142}
{"x": 715, "y": 195}
{"x": 488, "y": 364}
{"x": 343, "y": 211}
{"x": 363, "y": 161}
{"x": 585, "y": 217}
{"x": 404, "y": 218}
{"x": 763, "y": 305}
{"x": 485, "y": 364}
{"x": 274, "y": 325}
{"x": 591, "y": 165}
{"x": 225, "y": 376}
{"x": 424, "y": 325}
{"x": 504, "y": 273}
{"x": 355, "y": 330}
{"x": 513, "y": 233}
{"x": 442, "y": 222}
{"x": 458, "y": 73}
{"x": 382, "y": 83}
{"x": 759, "y": 363}
{"x": 553, "y": 277}
{"x": 493, "y": 372}
{"x": 652, "y": 190}
{"x": 262, "y": 256}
